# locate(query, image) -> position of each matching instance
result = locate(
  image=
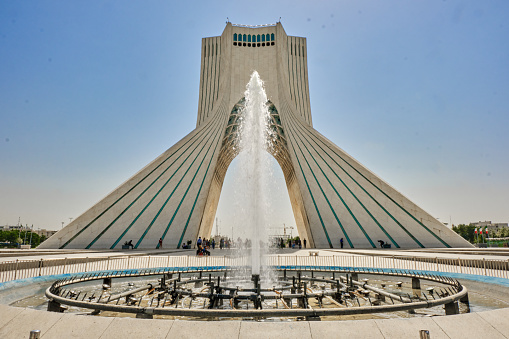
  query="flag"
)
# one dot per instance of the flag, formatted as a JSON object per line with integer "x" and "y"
{"x": 475, "y": 231}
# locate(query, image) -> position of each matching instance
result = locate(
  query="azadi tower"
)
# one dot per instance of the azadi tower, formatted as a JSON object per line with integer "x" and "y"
{"x": 332, "y": 195}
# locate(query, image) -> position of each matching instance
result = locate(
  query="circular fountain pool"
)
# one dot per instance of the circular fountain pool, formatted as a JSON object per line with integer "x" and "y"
{"x": 225, "y": 294}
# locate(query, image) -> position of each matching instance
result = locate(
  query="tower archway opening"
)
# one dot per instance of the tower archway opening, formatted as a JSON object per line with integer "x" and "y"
{"x": 230, "y": 207}
{"x": 285, "y": 214}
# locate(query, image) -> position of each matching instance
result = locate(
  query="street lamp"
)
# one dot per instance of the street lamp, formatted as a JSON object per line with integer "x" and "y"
{"x": 31, "y": 232}
{"x": 25, "y": 241}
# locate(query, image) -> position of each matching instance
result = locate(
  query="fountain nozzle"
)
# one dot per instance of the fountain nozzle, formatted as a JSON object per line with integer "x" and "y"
{"x": 255, "y": 278}
{"x": 258, "y": 298}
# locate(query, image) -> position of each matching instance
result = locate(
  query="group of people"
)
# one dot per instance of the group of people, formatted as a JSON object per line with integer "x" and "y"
{"x": 295, "y": 243}
{"x": 128, "y": 245}
{"x": 225, "y": 243}
{"x": 204, "y": 245}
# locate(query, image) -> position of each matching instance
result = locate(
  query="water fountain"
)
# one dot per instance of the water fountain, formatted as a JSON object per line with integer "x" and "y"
{"x": 253, "y": 172}
{"x": 299, "y": 294}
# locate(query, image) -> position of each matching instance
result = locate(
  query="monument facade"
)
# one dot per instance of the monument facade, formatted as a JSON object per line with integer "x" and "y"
{"x": 333, "y": 196}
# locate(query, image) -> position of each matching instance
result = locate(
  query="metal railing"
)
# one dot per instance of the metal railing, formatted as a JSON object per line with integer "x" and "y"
{"x": 61, "y": 293}
{"x": 253, "y": 26}
{"x": 21, "y": 269}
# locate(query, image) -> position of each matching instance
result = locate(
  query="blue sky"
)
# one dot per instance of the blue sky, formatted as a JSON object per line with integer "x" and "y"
{"x": 91, "y": 91}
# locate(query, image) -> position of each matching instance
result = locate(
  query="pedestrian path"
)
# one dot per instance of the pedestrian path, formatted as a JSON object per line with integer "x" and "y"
{"x": 18, "y": 322}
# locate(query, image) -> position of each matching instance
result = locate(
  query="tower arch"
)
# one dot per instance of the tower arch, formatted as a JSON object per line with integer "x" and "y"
{"x": 279, "y": 150}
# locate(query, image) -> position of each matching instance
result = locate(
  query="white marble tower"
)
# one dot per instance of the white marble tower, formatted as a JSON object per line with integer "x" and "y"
{"x": 333, "y": 196}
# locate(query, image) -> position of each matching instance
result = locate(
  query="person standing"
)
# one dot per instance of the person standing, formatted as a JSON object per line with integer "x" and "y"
{"x": 160, "y": 243}
{"x": 341, "y": 242}
{"x": 305, "y": 243}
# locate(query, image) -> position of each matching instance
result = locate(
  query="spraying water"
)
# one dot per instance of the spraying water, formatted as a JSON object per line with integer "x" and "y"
{"x": 254, "y": 171}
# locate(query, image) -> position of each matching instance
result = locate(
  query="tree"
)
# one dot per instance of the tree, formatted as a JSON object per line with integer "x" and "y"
{"x": 15, "y": 237}
{"x": 501, "y": 233}
{"x": 466, "y": 231}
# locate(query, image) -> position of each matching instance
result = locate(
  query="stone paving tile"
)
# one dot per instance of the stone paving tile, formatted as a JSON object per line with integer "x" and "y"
{"x": 276, "y": 330}
{"x": 362, "y": 329}
{"x": 7, "y": 313}
{"x": 183, "y": 329}
{"x": 499, "y": 319}
{"x": 77, "y": 326}
{"x": 28, "y": 320}
{"x": 122, "y": 328}
{"x": 467, "y": 326}
{"x": 409, "y": 328}
{"x": 17, "y": 323}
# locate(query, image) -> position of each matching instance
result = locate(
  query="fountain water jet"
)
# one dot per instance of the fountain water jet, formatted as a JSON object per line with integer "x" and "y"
{"x": 254, "y": 170}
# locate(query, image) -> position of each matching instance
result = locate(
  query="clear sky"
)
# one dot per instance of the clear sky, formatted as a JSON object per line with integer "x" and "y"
{"x": 92, "y": 91}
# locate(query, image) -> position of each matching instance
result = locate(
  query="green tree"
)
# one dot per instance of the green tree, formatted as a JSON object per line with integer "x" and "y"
{"x": 502, "y": 233}
{"x": 466, "y": 231}
{"x": 14, "y": 237}
{"x": 43, "y": 238}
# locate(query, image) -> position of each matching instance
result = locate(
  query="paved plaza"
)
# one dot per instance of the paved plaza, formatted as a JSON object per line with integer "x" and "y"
{"x": 500, "y": 253}
{"x": 17, "y": 323}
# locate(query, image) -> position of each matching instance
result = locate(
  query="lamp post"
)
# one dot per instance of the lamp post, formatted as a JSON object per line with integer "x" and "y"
{"x": 31, "y": 231}
{"x": 287, "y": 227}
{"x": 19, "y": 229}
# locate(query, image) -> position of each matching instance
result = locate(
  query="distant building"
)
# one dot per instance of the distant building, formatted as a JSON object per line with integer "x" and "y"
{"x": 45, "y": 232}
{"x": 40, "y": 232}
{"x": 14, "y": 227}
{"x": 491, "y": 226}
